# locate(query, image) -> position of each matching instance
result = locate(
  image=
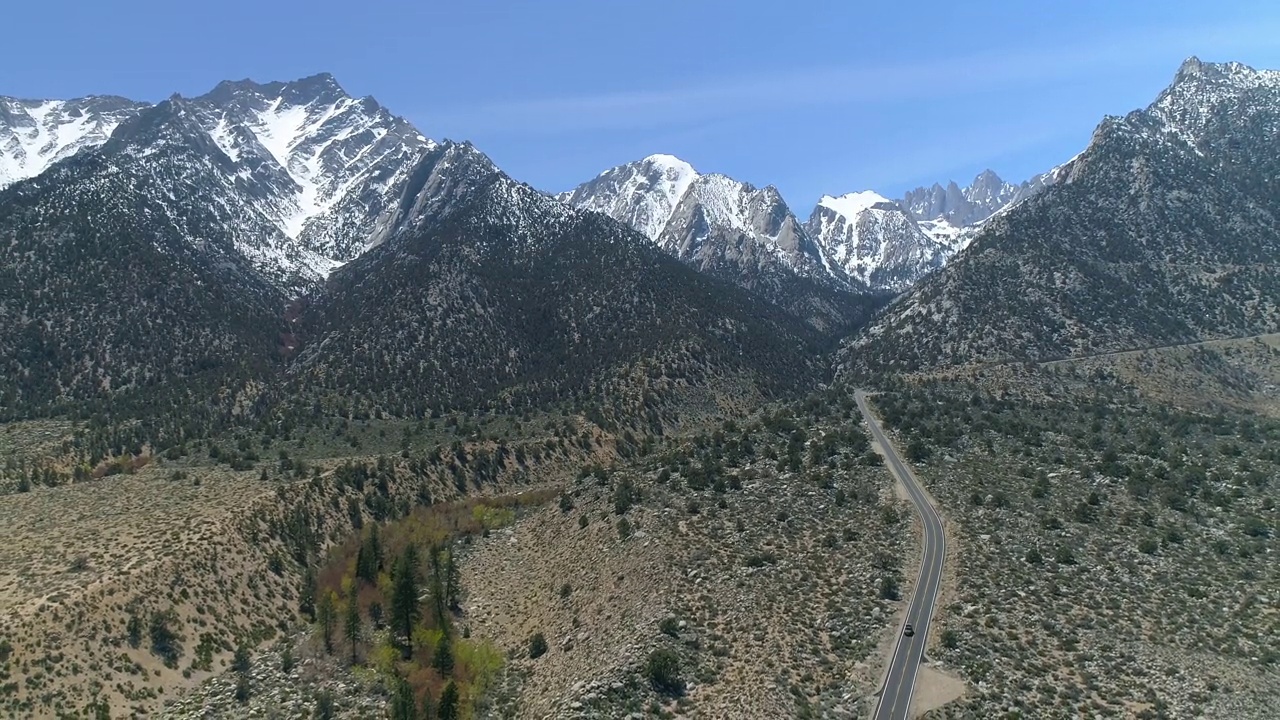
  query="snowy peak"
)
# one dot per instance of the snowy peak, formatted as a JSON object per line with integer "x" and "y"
{"x": 1115, "y": 254}
{"x": 953, "y": 215}
{"x": 858, "y": 241}
{"x": 321, "y": 87}
{"x": 308, "y": 138}
{"x": 1195, "y": 71}
{"x": 301, "y": 172}
{"x": 873, "y": 240}
{"x": 725, "y": 202}
{"x": 641, "y": 194}
{"x": 674, "y": 174}
{"x": 717, "y": 225}
{"x": 34, "y": 134}
{"x": 987, "y": 190}
{"x": 853, "y": 204}
{"x": 318, "y": 164}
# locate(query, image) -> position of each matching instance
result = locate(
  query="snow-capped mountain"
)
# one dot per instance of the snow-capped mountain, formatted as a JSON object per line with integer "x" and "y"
{"x": 34, "y": 134}
{"x": 301, "y": 170}
{"x": 873, "y": 240}
{"x": 712, "y": 222}
{"x": 1203, "y": 96}
{"x": 126, "y": 267}
{"x": 859, "y": 242}
{"x": 641, "y": 194}
{"x": 728, "y": 229}
{"x": 325, "y": 163}
{"x": 481, "y": 289}
{"x": 961, "y": 207}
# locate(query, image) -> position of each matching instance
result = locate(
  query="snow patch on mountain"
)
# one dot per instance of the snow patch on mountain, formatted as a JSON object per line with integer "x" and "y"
{"x": 953, "y": 216}
{"x": 324, "y": 143}
{"x": 844, "y": 244}
{"x": 851, "y": 204}
{"x": 34, "y": 134}
{"x": 944, "y": 233}
{"x": 724, "y": 200}
{"x": 748, "y": 235}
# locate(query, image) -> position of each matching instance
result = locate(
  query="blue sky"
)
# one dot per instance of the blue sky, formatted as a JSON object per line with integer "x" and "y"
{"x": 814, "y": 97}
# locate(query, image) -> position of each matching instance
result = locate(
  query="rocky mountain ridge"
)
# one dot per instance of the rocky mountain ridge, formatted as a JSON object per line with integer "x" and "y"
{"x": 730, "y": 228}
{"x": 482, "y": 290}
{"x": 303, "y": 169}
{"x": 34, "y": 134}
{"x": 1163, "y": 231}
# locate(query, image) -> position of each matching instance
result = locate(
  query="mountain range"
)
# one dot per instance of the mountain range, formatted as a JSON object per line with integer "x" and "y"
{"x": 361, "y": 322}
{"x": 219, "y": 250}
{"x": 287, "y": 235}
{"x": 859, "y": 242}
{"x": 34, "y": 134}
{"x": 310, "y": 170}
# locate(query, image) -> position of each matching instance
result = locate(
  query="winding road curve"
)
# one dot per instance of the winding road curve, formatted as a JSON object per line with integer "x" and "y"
{"x": 908, "y": 652}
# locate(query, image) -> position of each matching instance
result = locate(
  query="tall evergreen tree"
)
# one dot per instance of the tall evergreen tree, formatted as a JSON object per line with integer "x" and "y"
{"x": 351, "y": 625}
{"x": 403, "y": 706}
{"x": 307, "y": 594}
{"x": 404, "y": 597}
{"x": 439, "y": 589}
{"x": 362, "y": 563}
{"x": 327, "y": 618}
{"x": 449, "y": 709}
{"x": 443, "y": 660}
{"x": 369, "y": 556}
{"x": 453, "y": 582}
{"x": 375, "y": 549}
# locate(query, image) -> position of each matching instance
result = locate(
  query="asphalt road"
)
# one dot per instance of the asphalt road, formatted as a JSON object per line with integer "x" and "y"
{"x": 908, "y": 652}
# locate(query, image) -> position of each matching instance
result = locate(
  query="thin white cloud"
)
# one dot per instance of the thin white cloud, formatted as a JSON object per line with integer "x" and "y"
{"x": 765, "y": 93}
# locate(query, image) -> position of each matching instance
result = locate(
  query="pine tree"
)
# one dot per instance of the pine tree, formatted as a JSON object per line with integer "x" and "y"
{"x": 307, "y": 594}
{"x": 453, "y": 581}
{"x": 439, "y": 589}
{"x": 448, "y": 709}
{"x": 403, "y": 706}
{"x": 362, "y": 563}
{"x": 443, "y": 660}
{"x": 351, "y": 626}
{"x": 369, "y": 556}
{"x": 241, "y": 663}
{"x": 327, "y": 617}
{"x": 404, "y": 597}
{"x": 375, "y": 549}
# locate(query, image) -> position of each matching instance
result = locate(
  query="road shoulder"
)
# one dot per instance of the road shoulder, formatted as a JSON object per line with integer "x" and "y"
{"x": 934, "y": 689}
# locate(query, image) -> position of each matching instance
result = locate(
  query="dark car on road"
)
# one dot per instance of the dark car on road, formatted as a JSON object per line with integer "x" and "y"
{"x": 908, "y": 630}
